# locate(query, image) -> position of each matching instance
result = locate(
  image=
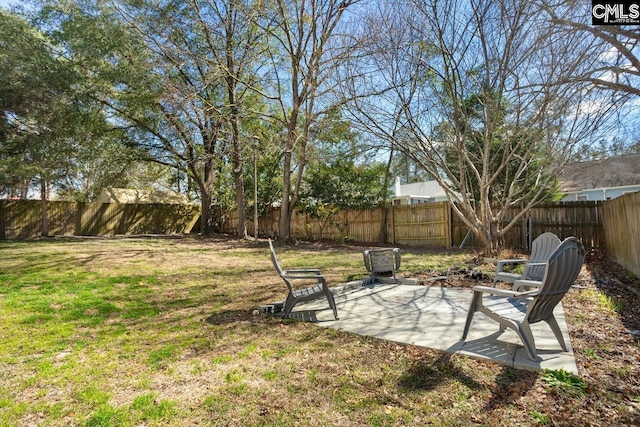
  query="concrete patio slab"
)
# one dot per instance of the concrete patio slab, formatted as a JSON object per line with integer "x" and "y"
{"x": 433, "y": 317}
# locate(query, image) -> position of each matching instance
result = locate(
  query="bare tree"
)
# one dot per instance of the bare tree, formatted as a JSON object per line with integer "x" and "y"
{"x": 618, "y": 69}
{"x": 479, "y": 94}
{"x": 303, "y": 31}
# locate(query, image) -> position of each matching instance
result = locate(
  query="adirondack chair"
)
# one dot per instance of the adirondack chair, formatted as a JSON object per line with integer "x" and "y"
{"x": 317, "y": 291}
{"x": 541, "y": 249}
{"x": 382, "y": 260}
{"x": 519, "y": 309}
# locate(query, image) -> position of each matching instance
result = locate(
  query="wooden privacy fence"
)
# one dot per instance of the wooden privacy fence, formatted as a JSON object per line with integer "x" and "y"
{"x": 423, "y": 225}
{"x": 429, "y": 224}
{"x": 579, "y": 219}
{"x": 434, "y": 224}
{"x": 23, "y": 218}
{"x": 622, "y": 230}
{"x": 564, "y": 219}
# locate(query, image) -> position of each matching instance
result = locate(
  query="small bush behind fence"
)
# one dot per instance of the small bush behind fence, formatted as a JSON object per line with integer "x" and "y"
{"x": 23, "y": 219}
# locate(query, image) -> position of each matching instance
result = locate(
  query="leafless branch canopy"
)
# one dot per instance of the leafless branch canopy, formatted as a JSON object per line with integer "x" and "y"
{"x": 482, "y": 94}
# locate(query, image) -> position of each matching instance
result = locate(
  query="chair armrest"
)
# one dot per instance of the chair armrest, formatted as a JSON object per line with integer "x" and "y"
{"x": 537, "y": 264}
{"x": 503, "y": 292}
{"x": 518, "y": 285}
{"x": 367, "y": 260}
{"x": 512, "y": 261}
{"x": 318, "y": 277}
{"x": 303, "y": 270}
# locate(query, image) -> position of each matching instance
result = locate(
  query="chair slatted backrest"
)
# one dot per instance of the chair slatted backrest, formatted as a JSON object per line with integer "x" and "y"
{"x": 382, "y": 260}
{"x": 279, "y": 269}
{"x": 541, "y": 249}
{"x": 562, "y": 269}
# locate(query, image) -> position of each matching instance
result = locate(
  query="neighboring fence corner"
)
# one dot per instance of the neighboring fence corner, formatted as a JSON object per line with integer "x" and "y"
{"x": 621, "y": 218}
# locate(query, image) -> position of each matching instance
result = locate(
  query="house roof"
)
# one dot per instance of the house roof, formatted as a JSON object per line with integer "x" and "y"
{"x": 615, "y": 171}
{"x": 128, "y": 195}
{"x": 425, "y": 188}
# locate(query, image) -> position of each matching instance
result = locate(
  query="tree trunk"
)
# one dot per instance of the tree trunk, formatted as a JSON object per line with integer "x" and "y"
{"x": 284, "y": 226}
{"x": 206, "y": 222}
{"x": 206, "y": 190}
{"x": 489, "y": 238}
{"x": 296, "y": 189}
{"x": 238, "y": 176}
{"x": 232, "y": 84}
{"x": 382, "y": 237}
{"x": 240, "y": 202}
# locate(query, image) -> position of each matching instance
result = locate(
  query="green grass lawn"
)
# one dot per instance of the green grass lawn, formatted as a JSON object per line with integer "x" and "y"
{"x": 159, "y": 331}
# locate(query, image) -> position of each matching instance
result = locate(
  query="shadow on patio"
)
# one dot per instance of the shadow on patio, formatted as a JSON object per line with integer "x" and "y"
{"x": 434, "y": 317}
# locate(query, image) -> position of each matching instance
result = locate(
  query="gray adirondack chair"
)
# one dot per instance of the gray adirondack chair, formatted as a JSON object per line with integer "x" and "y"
{"x": 517, "y": 309}
{"x": 541, "y": 248}
{"x": 317, "y": 291}
{"x": 383, "y": 260}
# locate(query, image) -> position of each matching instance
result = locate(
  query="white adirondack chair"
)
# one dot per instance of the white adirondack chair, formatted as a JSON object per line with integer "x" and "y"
{"x": 517, "y": 310}
{"x": 541, "y": 248}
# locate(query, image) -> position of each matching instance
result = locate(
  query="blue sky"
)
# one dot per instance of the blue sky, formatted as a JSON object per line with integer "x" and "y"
{"x": 5, "y": 3}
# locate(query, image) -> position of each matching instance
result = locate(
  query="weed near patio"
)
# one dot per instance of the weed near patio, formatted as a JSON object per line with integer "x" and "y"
{"x": 563, "y": 380}
{"x": 603, "y": 301}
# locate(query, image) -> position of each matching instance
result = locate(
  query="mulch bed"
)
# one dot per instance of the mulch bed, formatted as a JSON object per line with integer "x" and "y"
{"x": 606, "y": 344}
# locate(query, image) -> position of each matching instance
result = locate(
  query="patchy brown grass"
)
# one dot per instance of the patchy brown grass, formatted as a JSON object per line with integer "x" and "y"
{"x": 159, "y": 331}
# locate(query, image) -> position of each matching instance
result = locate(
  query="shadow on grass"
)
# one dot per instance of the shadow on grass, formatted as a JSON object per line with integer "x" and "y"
{"x": 230, "y": 316}
{"x": 431, "y": 373}
{"x": 427, "y": 374}
{"x": 510, "y": 384}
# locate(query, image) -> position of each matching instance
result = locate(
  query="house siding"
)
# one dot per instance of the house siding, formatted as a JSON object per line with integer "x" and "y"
{"x": 597, "y": 194}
